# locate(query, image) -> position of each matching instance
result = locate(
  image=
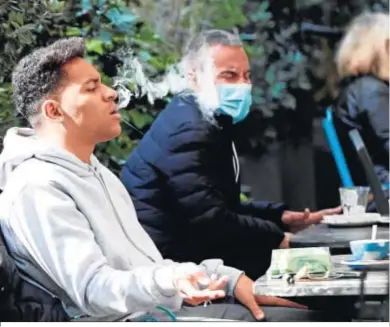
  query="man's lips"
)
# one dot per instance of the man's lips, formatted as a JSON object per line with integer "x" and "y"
{"x": 114, "y": 110}
{"x": 115, "y": 113}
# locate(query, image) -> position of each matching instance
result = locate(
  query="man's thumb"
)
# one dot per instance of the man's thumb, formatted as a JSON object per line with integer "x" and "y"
{"x": 257, "y": 312}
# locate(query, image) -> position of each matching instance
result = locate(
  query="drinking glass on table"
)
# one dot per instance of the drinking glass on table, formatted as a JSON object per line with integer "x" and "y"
{"x": 354, "y": 199}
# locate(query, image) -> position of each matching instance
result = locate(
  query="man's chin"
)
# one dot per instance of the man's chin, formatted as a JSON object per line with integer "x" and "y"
{"x": 111, "y": 134}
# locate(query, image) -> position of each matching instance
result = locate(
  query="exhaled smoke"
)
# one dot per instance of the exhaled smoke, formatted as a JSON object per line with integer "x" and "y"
{"x": 131, "y": 80}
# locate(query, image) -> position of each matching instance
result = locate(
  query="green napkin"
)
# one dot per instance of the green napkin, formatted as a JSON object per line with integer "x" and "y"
{"x": 306, "y": 262}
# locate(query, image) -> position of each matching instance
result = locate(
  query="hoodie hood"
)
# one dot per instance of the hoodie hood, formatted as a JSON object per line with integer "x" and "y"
{"x": 22, "y": 144}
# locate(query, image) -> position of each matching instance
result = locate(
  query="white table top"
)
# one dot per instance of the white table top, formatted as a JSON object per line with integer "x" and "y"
{"x": 376, "y": 283}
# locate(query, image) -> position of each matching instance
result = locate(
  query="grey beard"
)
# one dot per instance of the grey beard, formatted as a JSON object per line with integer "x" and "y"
{"x": 206, "y": 108}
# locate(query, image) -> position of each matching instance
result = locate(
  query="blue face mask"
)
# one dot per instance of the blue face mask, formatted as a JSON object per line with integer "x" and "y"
{"x": 235, "y": 100}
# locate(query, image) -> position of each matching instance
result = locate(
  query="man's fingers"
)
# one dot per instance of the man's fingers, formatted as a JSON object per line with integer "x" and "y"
{"x": 200, "y": 279}
{"x": 194, "y": 303}
{"x": 202, "y": 296}
{"x": 297, "y": 217}
{"x": 332, "y": 211}
{"x": 316, "y": 217}
{"x": 199, "y": 287}
{"x": 279, "y": 302}
{"x": 188, "y": 291}
{"x": 307, "y": 218}
{"x": 218, "y": 284}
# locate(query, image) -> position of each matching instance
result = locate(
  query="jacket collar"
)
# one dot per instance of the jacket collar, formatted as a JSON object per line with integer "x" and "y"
{"x": 224, "y": 121}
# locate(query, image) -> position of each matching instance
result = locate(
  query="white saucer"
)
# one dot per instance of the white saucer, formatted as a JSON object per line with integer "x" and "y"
{"x": 353, "y": 220}
{"x": 384, "y": 220}
{"x": 361, "y": 264}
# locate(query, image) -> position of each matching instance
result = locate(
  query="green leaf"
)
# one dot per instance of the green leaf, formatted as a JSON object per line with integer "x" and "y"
{"x": 16, "y": 17}
{"x": 139, "y": 119}
{"x": 277, "y": 89}
{"x": 27, "y": 27}
{"x": 94, "y": 45}
{"x": 15, "y": 24}
{"x": 270, "y": 75}
{"x": 73, "y": 31}
{"x": 144, "y": 56}
{"x": 264, "y": 5}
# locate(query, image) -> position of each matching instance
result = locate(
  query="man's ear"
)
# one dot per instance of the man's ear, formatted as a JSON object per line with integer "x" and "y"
{"x": 387, "y": 46}
{"x": 51, "y": 110}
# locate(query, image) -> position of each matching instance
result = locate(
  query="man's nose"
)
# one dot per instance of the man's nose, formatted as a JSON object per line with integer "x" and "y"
{"x": 110, "y": 94}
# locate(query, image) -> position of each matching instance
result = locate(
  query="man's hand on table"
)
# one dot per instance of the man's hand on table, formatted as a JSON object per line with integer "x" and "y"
{"x": 301, "y": 220}
{"x": 189, "y": 287}
{"x": 243, "y": 292}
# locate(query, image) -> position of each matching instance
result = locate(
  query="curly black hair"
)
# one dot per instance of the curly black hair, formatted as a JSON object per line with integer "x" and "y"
{"x": 39, "y": 74}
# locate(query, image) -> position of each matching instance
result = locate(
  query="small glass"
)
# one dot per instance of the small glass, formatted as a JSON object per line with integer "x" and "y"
{"x": 354, "y": 199}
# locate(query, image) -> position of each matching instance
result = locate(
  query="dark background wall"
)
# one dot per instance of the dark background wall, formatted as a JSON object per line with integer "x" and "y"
{"x": 300, "y": 174}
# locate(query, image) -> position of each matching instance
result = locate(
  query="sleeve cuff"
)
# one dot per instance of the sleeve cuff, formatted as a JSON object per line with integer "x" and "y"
{"x": 163, "y": 279}
{"x": 233, "y": 274}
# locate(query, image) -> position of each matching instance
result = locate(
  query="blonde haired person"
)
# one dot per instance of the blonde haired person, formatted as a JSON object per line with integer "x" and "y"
{"x": 363, "y": 66}
{"x": 365, "y": 47}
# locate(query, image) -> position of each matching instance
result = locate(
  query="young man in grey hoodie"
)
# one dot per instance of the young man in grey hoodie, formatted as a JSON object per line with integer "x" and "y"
{"x": 71, "y": 226}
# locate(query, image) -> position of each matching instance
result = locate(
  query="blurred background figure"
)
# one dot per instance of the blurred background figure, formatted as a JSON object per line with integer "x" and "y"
{"x": 363, "y": 104}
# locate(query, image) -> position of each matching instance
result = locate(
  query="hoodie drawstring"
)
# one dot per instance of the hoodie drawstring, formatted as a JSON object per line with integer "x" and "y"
{"x": 236, "y": 163}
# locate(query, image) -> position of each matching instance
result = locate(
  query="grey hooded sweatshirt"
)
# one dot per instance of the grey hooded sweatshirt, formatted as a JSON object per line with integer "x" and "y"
{"x": 72, "y": 229}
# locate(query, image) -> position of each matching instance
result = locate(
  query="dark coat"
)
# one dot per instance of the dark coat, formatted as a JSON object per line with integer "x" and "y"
{"x": 364, "y": 105}
{"x": 182, "y": 180}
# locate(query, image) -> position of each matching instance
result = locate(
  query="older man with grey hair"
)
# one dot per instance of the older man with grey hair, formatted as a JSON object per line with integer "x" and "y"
{"x": 184, "y": 175}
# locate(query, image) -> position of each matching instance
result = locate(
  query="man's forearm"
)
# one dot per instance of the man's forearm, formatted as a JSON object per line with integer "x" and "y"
{"x": 270, "y": 211}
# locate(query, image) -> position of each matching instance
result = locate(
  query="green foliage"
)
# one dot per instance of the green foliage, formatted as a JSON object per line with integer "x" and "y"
{"x": 283, "y": 62}
{"x": 276, "y": 61}
{"x": 292, "y": 71}
{"x": 106, "y": 26}
{"x": 23, "y": 27}
{"x": 6, "y": 118}
{"x": 177, "y": 21}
